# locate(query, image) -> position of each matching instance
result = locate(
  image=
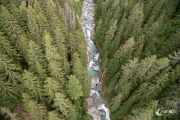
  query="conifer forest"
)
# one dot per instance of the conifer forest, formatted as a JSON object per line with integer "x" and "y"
{"x": 44, "y": 60}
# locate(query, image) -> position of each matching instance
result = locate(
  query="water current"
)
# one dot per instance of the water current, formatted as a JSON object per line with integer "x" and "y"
{"x": 96, "y": 105}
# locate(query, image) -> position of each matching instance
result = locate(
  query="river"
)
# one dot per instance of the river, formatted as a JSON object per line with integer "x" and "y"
{"x": 96, "y": 105}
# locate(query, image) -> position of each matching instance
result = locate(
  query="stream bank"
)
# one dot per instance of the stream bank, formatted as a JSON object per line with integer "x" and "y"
{"x": 96, "y": 105}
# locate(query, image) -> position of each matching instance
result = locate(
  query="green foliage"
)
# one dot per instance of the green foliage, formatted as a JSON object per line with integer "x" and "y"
{"x": 51, "y": 87}
{"x": 34, "y": 54}
{"x": 61, "y": 103}
{"x": 36, "y": 111}
{"x": 35, "y": 36}
{"x": 33, "y": 85}
{"x": 6, "y": 47}
{"x": 54, "y": 116}
{"x": 9, "y": 70}
{"x": 82, "y": 75}
{"x": 115, "y": 103}
{"x": 145, "y": 113}
{"x": 74, "y": 88}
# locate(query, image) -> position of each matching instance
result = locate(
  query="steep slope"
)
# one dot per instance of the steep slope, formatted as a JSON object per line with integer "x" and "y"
{"x": 135, "y": 38}
{"x": 43, "y": 62}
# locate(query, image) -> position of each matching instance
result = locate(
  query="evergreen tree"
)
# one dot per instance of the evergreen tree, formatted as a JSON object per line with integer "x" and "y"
{"x": 74, "y": 88}
{"x": 32, "y": 25}
{"x": 115, "y": 103}
{"x": 119, "y": 58}
{"x": 54, "y": 66}
{"x": 41, "y": 73}
{"x": 54, "y": 116}
{"x": 34, "y": 54}
{"x": 61, "y": 103}
{"x": 145, "y": 113}
{"x": 9, "y": 70}
{"x": 7, "y": 48}
{"x": 80, "y": 72}
{"x": 51, "y": 87}
{"x": 134, "y": 21}
{"x": 33, "y": 85}
{"x": 36, "y": 111}
{"x": 138, "y": 47}
{"x": 175, "y": 59}
{"x": 11, "y": 28}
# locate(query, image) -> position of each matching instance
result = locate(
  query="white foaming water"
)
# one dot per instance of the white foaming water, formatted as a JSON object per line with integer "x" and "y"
{"x": 88, "y": 29}
{"x": 105, "y": 109}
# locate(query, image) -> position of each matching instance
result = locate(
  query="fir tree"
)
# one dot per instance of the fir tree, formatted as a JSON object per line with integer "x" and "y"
{"x": 52, "y": 115}
{"x": 74, "y": 88}
{"x": 9, "y": 70}
{"x": 33, "y": 85}
{"x": 51, "y": 87}
{"x": 36, "y": 111}
{"x": 34, "y": 54}
{"x": 61, "y": 103}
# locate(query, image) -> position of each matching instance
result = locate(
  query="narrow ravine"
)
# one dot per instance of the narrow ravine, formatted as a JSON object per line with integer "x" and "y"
{"x": 96, "y": 106}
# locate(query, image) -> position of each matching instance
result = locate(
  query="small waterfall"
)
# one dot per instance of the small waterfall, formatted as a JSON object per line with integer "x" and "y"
{"x": 96, "y": 105}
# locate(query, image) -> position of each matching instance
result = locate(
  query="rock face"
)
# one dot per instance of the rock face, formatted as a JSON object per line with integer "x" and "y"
{"x": 96, "y": 107}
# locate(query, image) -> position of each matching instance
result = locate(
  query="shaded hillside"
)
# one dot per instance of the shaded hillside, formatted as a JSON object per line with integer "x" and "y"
{"x": 139, "y": 42}
{"x": 43, "y": 62}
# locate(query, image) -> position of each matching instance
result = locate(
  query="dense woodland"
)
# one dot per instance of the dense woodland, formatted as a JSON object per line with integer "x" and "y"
{"x": 139, "y": 43}
{"x": 43, "y": 61}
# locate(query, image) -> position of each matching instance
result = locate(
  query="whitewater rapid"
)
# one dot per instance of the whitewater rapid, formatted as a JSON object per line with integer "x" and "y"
{"x": 96, "y": 105}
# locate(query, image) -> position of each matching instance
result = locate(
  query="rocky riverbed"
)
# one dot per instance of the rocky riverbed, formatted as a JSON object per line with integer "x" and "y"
{"x": 96, "y": 106}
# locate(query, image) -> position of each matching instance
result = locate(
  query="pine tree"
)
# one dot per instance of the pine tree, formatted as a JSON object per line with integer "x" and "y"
{"x": 60, "y": 41}
{"x": 32, "y": 25}
{"x": 52, "y": 56}
{"x": 157, "y": 8}
{"x": 77, "y": 67}
{"x": 125, "y": 83}
{"x": 117, "y": 39}
{"x": 145, "y": 113}
{"x": 49, "y": 9}
{"x": 52, "y": 115}
{"x": 112, "y": 86}
{"x": 41, "y": 73}
{"x": 7, "y": 48}
{"x": 34, "y": 54}
{"x": 134, "y": 21}
{"x": 9, "y": 70}
{"x": 61, "y": 103}
{"x": 81, "y": 73}
{"x": 175, "y": 59}
{"x": 145, "y": 65}
{"x": 35, "y": 110}
{"x": 74, "y": 88}
{"x": 61, "y": 49}
{"x": 51, "y": 87}
{"x": 81, "y": 46}
{"x": 33, "y": 85}
{"x": 115, "y": 102}
{"x": 11, "y": 28}
{"x": 160, "y": 64}
{"x": 125, "y": 107}
{"x": 157, "y": 85}
{"x": 23, "y": 16}
{"x": 124, "y": 53}
{"x": 9, "y": 94}
{"x": 72, "y": 113}
{"x": 138, "y": 46}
